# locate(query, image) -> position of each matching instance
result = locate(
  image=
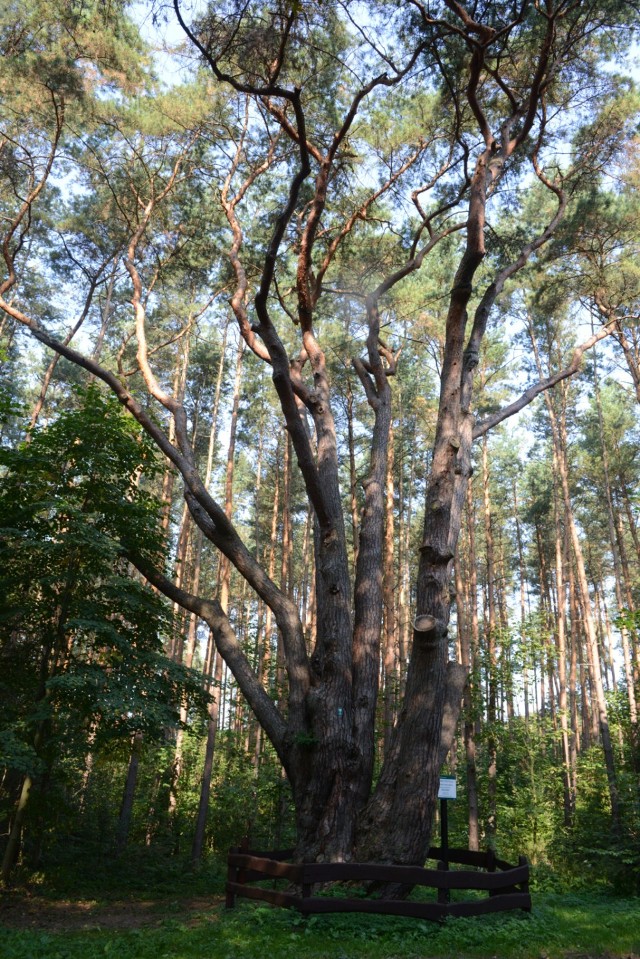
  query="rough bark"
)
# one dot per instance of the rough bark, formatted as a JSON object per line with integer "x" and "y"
{"x": 492, "y": 665}
{"x": 353, "y": 492}
{"x": 469, "y": 646}
{"x": 391, "y": 677}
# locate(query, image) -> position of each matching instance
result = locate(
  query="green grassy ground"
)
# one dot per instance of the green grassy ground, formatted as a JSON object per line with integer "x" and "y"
{"x": 572, "y": 925}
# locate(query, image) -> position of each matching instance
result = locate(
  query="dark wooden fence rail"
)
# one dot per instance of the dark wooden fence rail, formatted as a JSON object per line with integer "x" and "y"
{"x": 507, "y": 886}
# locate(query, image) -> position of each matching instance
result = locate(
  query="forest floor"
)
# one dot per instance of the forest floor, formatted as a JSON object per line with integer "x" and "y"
{"x": 25, "y": 911}
{"x": 562, "y": 925}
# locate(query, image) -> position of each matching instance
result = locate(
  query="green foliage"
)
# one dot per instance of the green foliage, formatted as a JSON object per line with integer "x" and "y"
{"x": 589, "y": 853}
{"x": 57, "y": 46}
{"x": 138, "y": 874}
{"x": 560, "y": 926}
{"x": 82, "y": 665}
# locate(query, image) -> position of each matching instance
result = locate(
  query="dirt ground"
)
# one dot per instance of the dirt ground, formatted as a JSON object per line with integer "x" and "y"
{"x": 19, "y": 911}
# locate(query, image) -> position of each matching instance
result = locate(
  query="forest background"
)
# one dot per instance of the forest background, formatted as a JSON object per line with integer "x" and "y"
{"x": 140, "y": 218}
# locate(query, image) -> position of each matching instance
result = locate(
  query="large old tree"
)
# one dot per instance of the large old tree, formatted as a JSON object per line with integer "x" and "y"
{"x": 337, "y": 151}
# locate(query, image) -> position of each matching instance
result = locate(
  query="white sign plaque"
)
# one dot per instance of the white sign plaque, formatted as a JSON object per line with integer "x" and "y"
{"x": 447, "y": 788}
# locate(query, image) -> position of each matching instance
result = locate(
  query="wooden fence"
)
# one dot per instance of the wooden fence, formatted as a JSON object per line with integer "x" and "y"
{"x": 507, "y": 886}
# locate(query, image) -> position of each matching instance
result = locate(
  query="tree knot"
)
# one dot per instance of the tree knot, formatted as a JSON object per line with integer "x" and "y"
{"x": 435, "y": 556}
{"x": 428, "y": 630}
{"x": 471, "y": 358}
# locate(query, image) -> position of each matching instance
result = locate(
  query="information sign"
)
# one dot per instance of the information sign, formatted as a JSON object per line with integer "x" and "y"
{"x": 447, "y": 788}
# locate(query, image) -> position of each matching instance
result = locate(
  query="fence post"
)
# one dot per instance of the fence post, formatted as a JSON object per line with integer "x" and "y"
{"x": 524, "y": 886}
{"x": 491, "y": 867}
{"x": 243, "y": 848}
{"x": 232, "y": 876}
{"x": 307, "y": 890}
{"x": 444, "y": 895}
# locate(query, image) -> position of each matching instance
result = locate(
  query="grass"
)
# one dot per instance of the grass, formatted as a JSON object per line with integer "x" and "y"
{"x": 576, "y": 925}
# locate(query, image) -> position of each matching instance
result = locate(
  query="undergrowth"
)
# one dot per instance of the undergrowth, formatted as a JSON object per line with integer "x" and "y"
{"x": 138, "y": 873}
{"x": 575, "y": 924}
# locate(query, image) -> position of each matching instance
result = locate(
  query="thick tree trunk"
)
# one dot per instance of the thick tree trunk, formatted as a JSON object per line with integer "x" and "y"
{"x": 469, "y": 644}
{"x": 353, "y": 479}
{"x": 391, "y": 677}
{"x": 490, "y": 650}
{"x": 397, "y": 822}
{"x": 346, "y": 661}
{"x": 306, "y": 591}
{"x": 404, "y": 618}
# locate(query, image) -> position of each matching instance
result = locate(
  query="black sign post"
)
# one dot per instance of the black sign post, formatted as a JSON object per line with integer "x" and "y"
{"x": 446, "y": 792}
{"x": 444, "y": 833}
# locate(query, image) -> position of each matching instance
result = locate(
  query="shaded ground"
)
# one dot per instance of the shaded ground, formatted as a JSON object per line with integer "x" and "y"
{"x": 20, "y": 911}
{"x": 24, "y": 911}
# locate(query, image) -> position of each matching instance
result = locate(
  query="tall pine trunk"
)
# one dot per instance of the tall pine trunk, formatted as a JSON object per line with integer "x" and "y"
{"x": 559, "y": 436}
{"x": 214, "y": 709}
{"x": 490, "y": 652}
